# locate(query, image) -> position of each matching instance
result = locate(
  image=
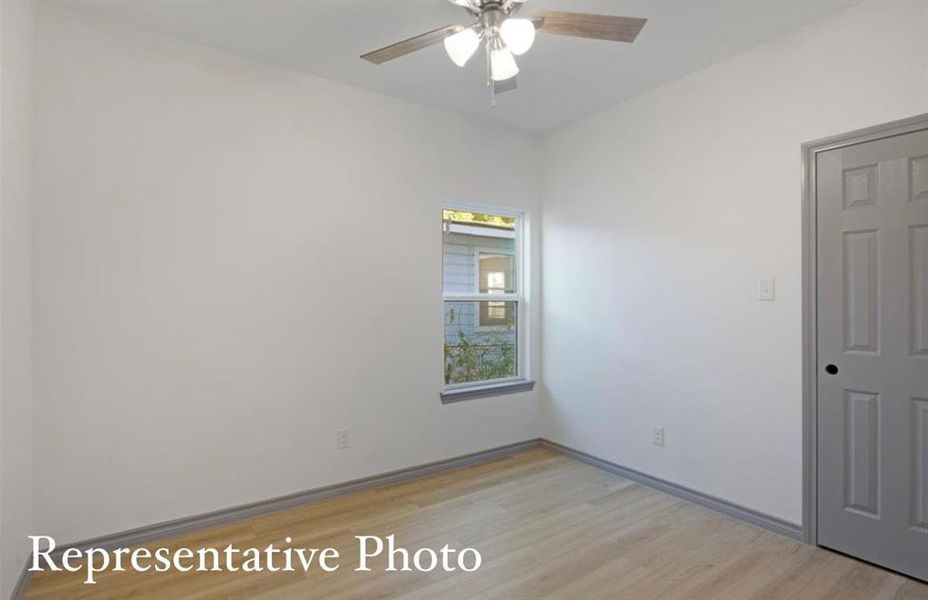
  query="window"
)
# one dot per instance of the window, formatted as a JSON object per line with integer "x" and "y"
{"x": 483, "y": 304}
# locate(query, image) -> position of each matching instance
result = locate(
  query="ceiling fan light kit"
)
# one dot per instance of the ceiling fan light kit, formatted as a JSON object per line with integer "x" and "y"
{"x": 518, "y": 35}
{"x": 505, "y": 37}
{"x": 502, "y": 64}
{"x": 462, "y": 45}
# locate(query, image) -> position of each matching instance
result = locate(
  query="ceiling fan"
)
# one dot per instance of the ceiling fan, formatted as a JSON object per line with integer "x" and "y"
{"x": 505, "y": 36}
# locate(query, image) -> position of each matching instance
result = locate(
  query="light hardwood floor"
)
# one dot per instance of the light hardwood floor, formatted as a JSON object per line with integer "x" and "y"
{"x": 547, "y": 527}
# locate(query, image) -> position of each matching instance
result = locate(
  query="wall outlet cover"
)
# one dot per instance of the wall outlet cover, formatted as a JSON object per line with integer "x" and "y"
{"x": 343, "y": 439}
{"x": 657, "y": 435}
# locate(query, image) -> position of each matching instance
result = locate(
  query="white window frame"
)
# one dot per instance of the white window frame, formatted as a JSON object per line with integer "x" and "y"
{"x": 521, "y": 379}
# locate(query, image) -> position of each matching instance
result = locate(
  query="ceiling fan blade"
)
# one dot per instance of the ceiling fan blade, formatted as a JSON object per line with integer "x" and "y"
{"x": 472, "y": 6}
{"x": 411, "y": 45}
{"x": 506, "y": 85}
{"x": 595, "y": 27}
{"x": 515, "y": 6}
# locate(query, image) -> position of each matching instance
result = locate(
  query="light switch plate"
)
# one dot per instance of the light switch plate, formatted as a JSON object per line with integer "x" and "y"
{"x": 766, "y": 289}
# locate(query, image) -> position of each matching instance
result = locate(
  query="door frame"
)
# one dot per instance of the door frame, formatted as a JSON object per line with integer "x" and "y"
{"x": 810, "y": 298}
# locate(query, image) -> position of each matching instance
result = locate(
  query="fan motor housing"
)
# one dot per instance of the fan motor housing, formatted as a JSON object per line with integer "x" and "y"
{"x": 492, "y": 17}
{"x": 502, "y": 8}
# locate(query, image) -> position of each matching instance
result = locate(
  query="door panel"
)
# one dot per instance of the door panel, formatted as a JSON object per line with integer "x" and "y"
{"x": 920, "y": 463}
{"x": 862, "y": 453}
{"x": 918, "y": 251}
{"x": 872, "y": 240}
{"x": 861, "y": 280}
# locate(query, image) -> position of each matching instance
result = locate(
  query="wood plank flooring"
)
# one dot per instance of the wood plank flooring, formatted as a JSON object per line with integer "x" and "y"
{"x": 547, "y": 527}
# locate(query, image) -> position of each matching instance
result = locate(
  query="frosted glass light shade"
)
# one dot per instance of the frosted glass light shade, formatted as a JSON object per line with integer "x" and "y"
{"x": 502, "y": 65}
{"x": 518, "y": 35}
{"x": 461, "y": 46}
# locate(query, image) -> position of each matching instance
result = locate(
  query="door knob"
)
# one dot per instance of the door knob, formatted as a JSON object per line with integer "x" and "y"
{"x": 831, "y": 369}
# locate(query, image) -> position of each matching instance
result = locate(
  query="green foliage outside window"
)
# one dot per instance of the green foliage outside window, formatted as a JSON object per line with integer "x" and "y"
{"x": 476, "y": 218}
{"x": 480, "y": 356}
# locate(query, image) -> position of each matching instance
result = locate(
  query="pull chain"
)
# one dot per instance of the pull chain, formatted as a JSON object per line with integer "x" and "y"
{"x": 490, "y": 77}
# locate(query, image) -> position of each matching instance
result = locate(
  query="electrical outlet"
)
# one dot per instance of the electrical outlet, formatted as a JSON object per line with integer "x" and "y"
{"x": 343, "y": 439}
{"x": 657, "y": 435}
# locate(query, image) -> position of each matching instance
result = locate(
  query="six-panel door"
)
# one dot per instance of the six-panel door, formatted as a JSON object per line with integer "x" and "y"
{"x": 872, "y": 228}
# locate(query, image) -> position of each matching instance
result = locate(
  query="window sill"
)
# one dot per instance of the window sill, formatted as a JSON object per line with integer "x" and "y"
{"x": 485, "y": 391}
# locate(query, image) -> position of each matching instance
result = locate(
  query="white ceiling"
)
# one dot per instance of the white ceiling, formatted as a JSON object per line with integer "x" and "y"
{"x": 561, "y": 78}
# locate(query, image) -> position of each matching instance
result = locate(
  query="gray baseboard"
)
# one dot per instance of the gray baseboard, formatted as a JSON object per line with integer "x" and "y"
{"x": 784, "y": 528}
{"x": 176, "y": 527}
{"x": 19, "y": 591}
{"x": 148, "y": 533}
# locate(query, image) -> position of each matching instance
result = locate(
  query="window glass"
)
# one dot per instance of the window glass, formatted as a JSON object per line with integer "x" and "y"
{"x": 496, "y": 272}
{"x": 480, "y": 261}
{"x": 473, "y": 353}
{"x": 468, "y": 236}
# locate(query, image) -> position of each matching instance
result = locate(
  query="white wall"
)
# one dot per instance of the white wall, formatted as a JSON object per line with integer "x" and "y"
{"x": 232, "y": 261}
{"x": 16, "y": 47}
{"x": 661, "y": 214}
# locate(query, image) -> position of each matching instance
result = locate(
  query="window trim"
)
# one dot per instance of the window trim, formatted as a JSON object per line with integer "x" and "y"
{"x": 522, "y": 381}
{"x": 498, "y": 387}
